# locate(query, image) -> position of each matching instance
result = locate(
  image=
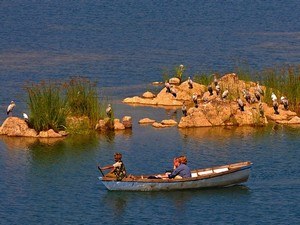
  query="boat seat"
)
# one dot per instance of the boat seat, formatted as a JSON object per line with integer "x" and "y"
{"x": 194, "y": 175}
{"x": 221, "y": 170}
{"x": 205, "y": 172}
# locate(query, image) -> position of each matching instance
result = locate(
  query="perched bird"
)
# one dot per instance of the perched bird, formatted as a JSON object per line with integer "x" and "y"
{"x": 181, "y": 67}
{"x": 225, "y": 94}
{"x": 10, "y": 108}
{"x": 25, "y": 117}
{"x": 173, "y": 91}
{"x": 285, "y": 102}
{"x": 246, "y": 95}
{"x": 183, "y": 108}
{"x": 275, "y": 106}
{"x": 273, "y": 97}
{"x": 195, "y": 100}
{"x": 190, "y": 83}
{"x": 257, "y": 95}
{"x": 215, "y": 80}
{"x": 108, "y": 111}
{"x": 168, "y": 86}
{"x": 209, "y": 88}
{"x": 218, "y": 89}
{"x": 261, "y": 110}
{"x": 240, "y": 104}
{"x": 259, "y": 89}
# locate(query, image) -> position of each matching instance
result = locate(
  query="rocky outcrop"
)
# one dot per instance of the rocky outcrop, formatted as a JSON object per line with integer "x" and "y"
{"x": 16, "y": 127}
{"x": 116, "y": 124}
{"x": 148, "y": 94}
{"x": 164, "y": 123}
{"x": 163, "y": 98}
{"x": 222, "y": 114}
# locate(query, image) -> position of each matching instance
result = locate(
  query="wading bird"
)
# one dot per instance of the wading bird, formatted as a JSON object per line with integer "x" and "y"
{"x": 285, "y": 102}
{"x": 190, "y": 83}
{"x": 273, "y": 97}
{"x": 194, "y": 97}
{"x": 240, "y": 104}
{"x": 173, "y": 91}
{"x": 25, "y": 117}
{"x": 259, "y": 89}
{"x": 108, "y": 111}
{"x": 209, "y": 88}
{"x": 218, "y": 89}
{"x": 10, "y": 108}
{"x": 225, "y": 94}
{"x": 168, "y": 86}
{"x": 215, "y": 80}
{"x": 275, "y": 106}
{"x": 183, "y": 108}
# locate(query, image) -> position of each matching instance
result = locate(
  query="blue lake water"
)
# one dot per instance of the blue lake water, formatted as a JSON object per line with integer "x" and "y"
{"x": 124, "y": 46}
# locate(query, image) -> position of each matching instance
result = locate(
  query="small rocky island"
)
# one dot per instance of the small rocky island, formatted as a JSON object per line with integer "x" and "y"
{"x": 227, "y": 101}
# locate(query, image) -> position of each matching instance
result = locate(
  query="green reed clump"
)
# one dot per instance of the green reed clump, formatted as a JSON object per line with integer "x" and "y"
{"x": 283, "y": 81}
{"x": 203, "y": 78}
{"x": 82, "y": 99}
{"x": 47, "y": 106}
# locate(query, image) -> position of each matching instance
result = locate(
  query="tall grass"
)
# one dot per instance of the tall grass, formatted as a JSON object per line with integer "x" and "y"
{"x": 283, "y": 81}
{"x": 47, "y": 106}
{"x": 50, "y": 103}
{"x": 82, "y": 99}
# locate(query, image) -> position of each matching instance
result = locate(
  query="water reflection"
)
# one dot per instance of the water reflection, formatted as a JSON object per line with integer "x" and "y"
{"x": 118, "y": 202}
{"x": 221, "y": 133}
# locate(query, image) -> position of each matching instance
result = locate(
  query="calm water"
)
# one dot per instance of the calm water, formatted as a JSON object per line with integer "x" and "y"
{"x": 124, "y": 46}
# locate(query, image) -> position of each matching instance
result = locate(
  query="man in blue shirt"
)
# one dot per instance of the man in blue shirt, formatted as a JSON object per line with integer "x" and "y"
{"x": 182, "y": 171}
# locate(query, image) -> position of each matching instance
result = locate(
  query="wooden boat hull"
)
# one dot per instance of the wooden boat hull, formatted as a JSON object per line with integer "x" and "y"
{"x": 221, "y": 176}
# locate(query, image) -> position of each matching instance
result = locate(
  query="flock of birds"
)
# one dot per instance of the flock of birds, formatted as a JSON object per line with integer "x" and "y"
{"x": 258, "y": 95}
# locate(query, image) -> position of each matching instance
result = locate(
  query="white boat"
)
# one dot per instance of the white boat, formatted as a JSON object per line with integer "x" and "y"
{"x": 218, "y": 176}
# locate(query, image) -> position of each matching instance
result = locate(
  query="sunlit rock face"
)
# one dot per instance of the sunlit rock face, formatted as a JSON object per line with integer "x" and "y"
{"x": 16, "y": 127}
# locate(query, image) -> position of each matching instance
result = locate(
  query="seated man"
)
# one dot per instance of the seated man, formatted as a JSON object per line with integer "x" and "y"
{"x": 182, "y": 171}
{"x": 118, "y": 169}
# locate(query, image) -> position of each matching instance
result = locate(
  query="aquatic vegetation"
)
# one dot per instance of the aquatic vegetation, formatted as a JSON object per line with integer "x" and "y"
{"x": 47, "y": 106}
{"x": 82, "y": 99}
{"x": 51, "y": 103}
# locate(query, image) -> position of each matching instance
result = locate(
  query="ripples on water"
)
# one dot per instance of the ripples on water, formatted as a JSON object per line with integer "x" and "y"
{"x": 124, "y": 46}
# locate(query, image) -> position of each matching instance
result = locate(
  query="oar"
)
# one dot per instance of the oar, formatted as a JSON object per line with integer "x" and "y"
{"x": 99, "y": 168}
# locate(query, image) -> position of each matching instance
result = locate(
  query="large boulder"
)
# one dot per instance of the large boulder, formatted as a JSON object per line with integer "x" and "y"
{"x": 127, "y": 122}
{"x": 49, "y": 134}
{"x": 221, "y": 114}
{"x": 118, "y": 125}
{"x": 14, "y": 126}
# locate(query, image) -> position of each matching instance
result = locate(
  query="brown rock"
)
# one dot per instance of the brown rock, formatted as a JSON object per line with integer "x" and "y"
{"x": 127, "y": 122}
{"x": 159, "y": 125}
{"x": 49, "y": 134}
{"x": 118, "y": 125}
{"x": 146, "y": 121}
{"x": 148, "y": 94}
{"x": 14, "y": 126}
{"x": 169, "y": 122}
{"x": 174, "y": 80}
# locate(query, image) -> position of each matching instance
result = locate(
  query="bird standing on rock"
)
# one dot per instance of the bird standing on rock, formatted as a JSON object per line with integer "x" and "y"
{"x": 259, "y": 89}
{"x": 273, "y": 97}
{"x": 173, "y": 91}
{"x": 183, "y": 108}
{"x": 25, "y": 117}
{"x": 225, "y": 94}
{"x": 10, "y": 108}
{"x": 215, "y": 80}
{"x": 247, "y": 95}
{"x": 190, "y": 83}
{"x": 108, "y": 111}
{"x": 209, "y": 88}
{"x": 240, "y": 104}
{"x": 275, "y": 106}
{"x": 285, "y": 102}
{"x": 194, "y": 97}
{"x": 218, "y": 89}
{"x": 168, "y": 86}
